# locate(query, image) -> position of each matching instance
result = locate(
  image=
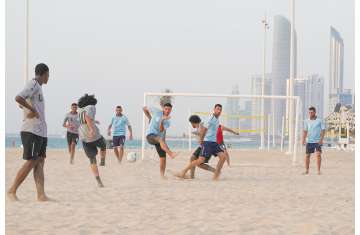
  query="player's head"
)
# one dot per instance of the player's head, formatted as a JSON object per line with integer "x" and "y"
{"x": 86, "y": 100}
{"x": 167, "y": 109}
{"x": 312, "y": 112}
{"x": 74, "y": 107}
{"x": 42, "y": 73}
{"x": 217, "y": 110}
{"x": 195, "y": 121}
{"x": 118, "y": 110}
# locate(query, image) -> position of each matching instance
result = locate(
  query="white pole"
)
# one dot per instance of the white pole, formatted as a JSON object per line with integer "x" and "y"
{"x": 189, "y": 130}
{"x": 296, "y": 130}
{"x": 143, "y": 132}
{"x": 292, "y": 69}
{"x": 26, "y": 62}
{"x": 273, "y": 128}
{"x": 263, "y": 86}
{"x": 268, "y": 132}
{"x": 282, "y": 133}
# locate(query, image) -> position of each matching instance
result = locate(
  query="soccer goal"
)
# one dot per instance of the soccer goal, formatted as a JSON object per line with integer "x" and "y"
{"x": 260, "y": 129}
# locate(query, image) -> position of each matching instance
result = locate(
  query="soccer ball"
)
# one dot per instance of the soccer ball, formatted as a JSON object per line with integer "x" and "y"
{"x": 131, "y": 157}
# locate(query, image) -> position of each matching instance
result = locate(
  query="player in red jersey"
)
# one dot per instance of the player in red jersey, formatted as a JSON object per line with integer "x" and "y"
{"x": 220, "y": 139}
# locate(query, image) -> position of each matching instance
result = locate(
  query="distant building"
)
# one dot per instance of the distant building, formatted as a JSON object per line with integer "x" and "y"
{"x": 310, "y": 89}
{"x": 336, "y": 68}
{"x": 233, "y": 109}
{"x": 281, "y": 65}
{"x": 256, "y": 85}
{"x": 345, "y": 98}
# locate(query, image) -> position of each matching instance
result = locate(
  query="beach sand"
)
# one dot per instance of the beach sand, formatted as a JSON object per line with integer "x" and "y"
{"x": 262, "y": 193}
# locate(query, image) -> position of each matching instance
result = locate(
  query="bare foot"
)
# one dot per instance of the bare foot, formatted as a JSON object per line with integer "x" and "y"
{"x": 305, "y": 173}
{"x": 180, "y": 175}
{"x": 216, "y": 178}
{"x": 44, "y": 198}
{"x": 163, "y": 177}
{"x": 319, "y": 173}
{"x": 173, "y": 155}
{"x": 12, "y": 196}
{"x": 99, "y": 182}
{"x": 71, "y": 161}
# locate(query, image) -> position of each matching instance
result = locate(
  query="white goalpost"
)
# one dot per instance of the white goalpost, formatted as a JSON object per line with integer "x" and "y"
{"x": 268, "y": 119}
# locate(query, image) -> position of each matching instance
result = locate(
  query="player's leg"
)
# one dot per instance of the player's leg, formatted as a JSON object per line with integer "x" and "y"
{"x": 100, "y": 143}
{"x": 121, "y": 147}
{"x": 72, "y": 150}
{"x": 318, "y": 158}
{"x": 116, "y": 146}
{"x": 309, "y": 150}
{"x": 192, "y": 164}
{"x": 222, "y": 159}
{"x": 39, "y": 172}
{"x": 28, "y": 141}
{"x": 162, "y": 160}
{"x": 91, "y": 152}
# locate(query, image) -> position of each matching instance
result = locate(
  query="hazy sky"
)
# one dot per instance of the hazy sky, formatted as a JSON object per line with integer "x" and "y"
{"x": 120, "y": 49}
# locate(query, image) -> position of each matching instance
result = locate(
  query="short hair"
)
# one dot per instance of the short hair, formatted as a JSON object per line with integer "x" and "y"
{"x": 168, "y": 105}
{"x": 119, "y": 107}
{"x": 218, "y": 105}
{"x": 41, "y": 69}
{"x": 312, "y": 108}
{"x": 86, "y": 100}
{"x": 74, "y": 104}
{"x": 194, "y": 119}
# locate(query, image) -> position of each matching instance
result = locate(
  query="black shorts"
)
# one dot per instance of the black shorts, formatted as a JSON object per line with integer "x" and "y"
{"x": 91, "y": 148}
{"x": 313, "y": 147}
{"x": 34, "y": 146}
{"x": 222, "y": 146}
{"x": 72, "y": 137}
{"x": 118, "y": 141}
{"x": 152, "y": 139}
{"x": 197, "y": 153}
{"x": 210, "y": 149}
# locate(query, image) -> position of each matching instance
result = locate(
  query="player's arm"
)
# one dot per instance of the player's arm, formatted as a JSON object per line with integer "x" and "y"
{"x": 202, "y": 134}
{"x": 65, "y": 122}
{"x": 224, "y": 128}
{"x": 147, "y": 112}
{"x": 304, "y": 137}
{"x": 322, "y": 134}
{"x": 130, "y": 132}
{"x": 162, "y": 126}
{"x": 90, "y": 124}
{"x": 109, "y": 128}
{"x": 20, "y": 100}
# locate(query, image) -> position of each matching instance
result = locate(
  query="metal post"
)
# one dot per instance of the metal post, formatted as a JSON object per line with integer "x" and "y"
{"x": 292, "y": 69}
{"x": 268, "y": 132}
{"x": 296, "y": 130}
{"x": 264, "y": 21}
{"x": 26, "y": 62}
{"x": 282, "y": 133}
{"x": 143, "y": 132}
{"x": 273, "y": 129}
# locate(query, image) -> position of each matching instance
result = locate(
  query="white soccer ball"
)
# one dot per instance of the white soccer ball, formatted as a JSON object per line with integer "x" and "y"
{"x": 131, "y": 157}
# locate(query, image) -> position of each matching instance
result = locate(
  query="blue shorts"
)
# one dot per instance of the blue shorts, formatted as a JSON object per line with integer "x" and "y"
{"x": 210, "y": 149}
{"x": 313, "y": 147}
{"x": 118, "y": 141}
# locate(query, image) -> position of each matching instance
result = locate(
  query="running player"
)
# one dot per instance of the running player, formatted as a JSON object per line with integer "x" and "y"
{"x": 159, "y": 122}
{"x": 90, "y": 135}
{"x": 220, "y": 140}
{"x": 33, "y": 133}
{"x": 117, "y": 128}
{"x": 71, "y": 123}
{"x": 209, "y": 145}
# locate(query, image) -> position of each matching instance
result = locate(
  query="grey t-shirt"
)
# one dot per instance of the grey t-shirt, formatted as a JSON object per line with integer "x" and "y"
{"x": 33, "y": 94}
{"x": 73, "y": 120}
{"x": 89, "y": 110}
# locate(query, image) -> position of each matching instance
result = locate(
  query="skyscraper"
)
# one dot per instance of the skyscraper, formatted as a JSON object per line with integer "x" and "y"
{"x": 233, "y": 108}
{"x": 336, "y": 68}
{"x": 310, "y": 89}
{"x": 256, "y": 82}
{"x": 281, "y": 65}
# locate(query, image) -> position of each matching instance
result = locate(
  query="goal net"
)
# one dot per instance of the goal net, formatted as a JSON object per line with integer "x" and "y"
{"x": 263, "y": 123}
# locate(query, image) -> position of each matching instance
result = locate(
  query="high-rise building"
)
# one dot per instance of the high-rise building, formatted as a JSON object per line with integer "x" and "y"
{"x": 281, "y": 65}
{"x": 336, "y": 68}
{"x": 233, "y": 109}
{"x": 345, "y": 98}
{"x": 310, "y": 89}
{"x": 256, "y": 85}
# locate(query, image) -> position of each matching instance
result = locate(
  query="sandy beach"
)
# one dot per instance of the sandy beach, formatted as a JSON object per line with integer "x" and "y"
{"x": 262, "y": 193}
